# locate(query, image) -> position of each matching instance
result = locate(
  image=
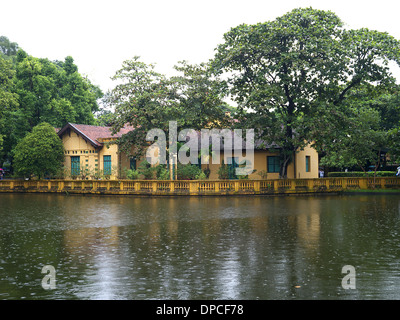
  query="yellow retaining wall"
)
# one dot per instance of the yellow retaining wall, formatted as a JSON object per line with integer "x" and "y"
{"x": 199, "y": 187}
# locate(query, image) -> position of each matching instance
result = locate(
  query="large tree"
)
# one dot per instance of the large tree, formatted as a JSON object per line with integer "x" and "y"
{"x": 369, "y": 112}
{"x": 39, "y": 153}
{"x": 146, "y": 99}
{"x": 8, "y": 99}
{"x": 8, "y": 49}
{"x": 292, "y": 75}
{"x": 361, "y": 143}
{"x": 34, "y": 90}
{"x": 54, "y": 92}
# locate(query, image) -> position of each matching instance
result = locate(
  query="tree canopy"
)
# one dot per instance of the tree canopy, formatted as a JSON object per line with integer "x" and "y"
{"x": 39, "y": 153}
{"x": 301, "y": 78}
{"x": 146, "y": 99}
{"x": 8, "y": 99}
{"x": 292, "y": 75}
{"x": 35, "y": 90}
{"x": 8, "y": 49}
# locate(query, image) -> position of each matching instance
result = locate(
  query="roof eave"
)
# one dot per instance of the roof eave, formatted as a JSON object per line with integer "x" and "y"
{"x": 71, "y": 126}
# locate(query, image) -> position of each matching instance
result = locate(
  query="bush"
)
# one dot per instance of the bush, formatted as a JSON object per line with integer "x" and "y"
{"x": 39, "y": 153}
{"x": 133, "y": 174}
{"x": 188, "y": 172}
{"x": 162, "y": 173}
{"x": 360, "y": 174}
{"x": 146, "y": 170}
{"x": 223, "y": 171}
{"x": 201, "y": 176}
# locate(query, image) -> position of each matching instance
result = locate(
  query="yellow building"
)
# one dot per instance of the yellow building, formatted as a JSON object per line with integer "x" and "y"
{"x": 267, "y": 165}
{"x": 88, "y": 153}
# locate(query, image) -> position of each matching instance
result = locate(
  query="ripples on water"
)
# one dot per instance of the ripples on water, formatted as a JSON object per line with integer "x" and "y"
{"x": 199, "y": 248}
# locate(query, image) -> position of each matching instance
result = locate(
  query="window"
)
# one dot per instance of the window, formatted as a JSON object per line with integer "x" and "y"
{"x": 132, "y": 163}
{"x": 75, "y": 165}
{"x": 273, "y": 164}
{"x": 107, "y": 165}
{"x": 308, "y": 164}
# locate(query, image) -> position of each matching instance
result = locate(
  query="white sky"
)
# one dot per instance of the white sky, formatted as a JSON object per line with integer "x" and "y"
{"x": 100, "y": 35}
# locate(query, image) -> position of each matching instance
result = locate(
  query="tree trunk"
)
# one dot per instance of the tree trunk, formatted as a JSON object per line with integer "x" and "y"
{"x": 284, "y": 167}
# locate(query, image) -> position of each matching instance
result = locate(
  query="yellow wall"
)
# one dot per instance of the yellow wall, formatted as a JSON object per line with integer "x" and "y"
{"x": 110, "y": 150}
{"x": 75, "y": 145}
{"x": 260, "y": 164}
{"x": 90, "y": 157}
{"x": 301, "y": 163}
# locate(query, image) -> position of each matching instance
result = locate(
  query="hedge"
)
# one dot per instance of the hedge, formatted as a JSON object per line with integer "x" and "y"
{"x": 361, "y": 174}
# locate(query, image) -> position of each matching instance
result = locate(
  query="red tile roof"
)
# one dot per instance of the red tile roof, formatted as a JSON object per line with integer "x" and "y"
{"x": 94, "y": 133}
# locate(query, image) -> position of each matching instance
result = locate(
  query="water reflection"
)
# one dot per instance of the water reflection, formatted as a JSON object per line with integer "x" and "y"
{"x": 199, "y": 248}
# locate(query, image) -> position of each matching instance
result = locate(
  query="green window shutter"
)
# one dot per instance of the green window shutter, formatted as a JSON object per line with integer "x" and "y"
{"x": 107, "y": 165}
{"x": 273, "y": 164}
{"x": 132, "y": 163}
{"x": 75, "y": 165}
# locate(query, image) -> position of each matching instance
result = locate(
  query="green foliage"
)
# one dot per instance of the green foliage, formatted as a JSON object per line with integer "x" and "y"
{"x": 133, "y": 174}
{"x": 223, "y": 171}
{"x": 8, "y": 99}
{"x": 360, "y": 143}
{"x": 201, "y": 176}
{"x": 146, "y": 171}
{"x": 146, "y": 99}
{"x": 88, "y": 172}
{"x": 54, "y": 92}
{"x": 35, "y": 90}
{"x": 8, "y": 49}
{"x": 40, "y": 153}
{"x": 104, "y": 118}
{"x": 295, "y": 73}
{"x": 162, "y": 173}
{"x": 199, "y": 96}
{"x": 394, "y": 144}
{"x": 189, "y": 172}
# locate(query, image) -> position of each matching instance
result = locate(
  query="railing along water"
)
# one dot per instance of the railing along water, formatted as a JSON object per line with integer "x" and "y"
{"x": 200, "y": 187}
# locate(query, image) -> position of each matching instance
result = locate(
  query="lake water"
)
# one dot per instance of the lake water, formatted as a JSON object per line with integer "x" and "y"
{"x": 122, "y": 247}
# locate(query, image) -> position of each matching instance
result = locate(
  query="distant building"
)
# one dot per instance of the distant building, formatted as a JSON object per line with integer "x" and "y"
{"x": 86, "y": 148}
